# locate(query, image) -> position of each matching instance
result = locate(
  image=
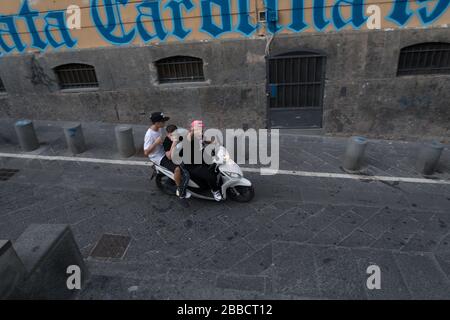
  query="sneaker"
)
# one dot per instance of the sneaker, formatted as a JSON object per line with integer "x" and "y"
{"x": 217, "y": 195}
{"x": 186, "y": 196}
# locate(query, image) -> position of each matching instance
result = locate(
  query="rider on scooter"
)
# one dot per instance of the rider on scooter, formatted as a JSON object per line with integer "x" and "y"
{"x": 153, "y": 148}
{"x": 201, "y": 170}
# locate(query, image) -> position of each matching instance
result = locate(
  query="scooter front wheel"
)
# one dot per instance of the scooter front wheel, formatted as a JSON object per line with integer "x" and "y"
{"x": 241, "y": 193}
{"x": 165, "y": 184}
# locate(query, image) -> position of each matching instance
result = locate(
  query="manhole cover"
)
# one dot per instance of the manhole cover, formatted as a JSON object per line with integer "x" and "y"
{"x": 111, "y": 246}
{"x": 6, "y": 174}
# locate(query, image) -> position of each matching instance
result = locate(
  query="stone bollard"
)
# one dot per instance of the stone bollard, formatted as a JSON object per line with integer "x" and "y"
{"x": 429, "y": 157}
{"x": 12, "y": 270}
{"x": 75, "y": 138}
{"x": 53, "y": 263}
{"x": 125, "y": 141}
{"x": 354, "y": 153}
{"x": 27, "y": 136}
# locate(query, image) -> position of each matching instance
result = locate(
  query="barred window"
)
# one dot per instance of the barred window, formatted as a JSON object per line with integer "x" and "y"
{"x": 180, "y": 69}
{"x": 2, "y": 86}
{"x": 76, "y": 75}
{"x": 425, "y": 58}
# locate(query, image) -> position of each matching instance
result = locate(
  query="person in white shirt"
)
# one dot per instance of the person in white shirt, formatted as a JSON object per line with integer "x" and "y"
{"x": 154, "y": 150}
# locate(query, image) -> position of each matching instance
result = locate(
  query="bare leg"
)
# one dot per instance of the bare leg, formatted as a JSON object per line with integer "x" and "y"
{"x": 177, "y": 176}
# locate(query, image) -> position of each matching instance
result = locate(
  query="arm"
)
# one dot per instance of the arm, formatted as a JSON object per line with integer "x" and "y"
{"x": 169, "y": 153}
{"x": 152, "y": 147}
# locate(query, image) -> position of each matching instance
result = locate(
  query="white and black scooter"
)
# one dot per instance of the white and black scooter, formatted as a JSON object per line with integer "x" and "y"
{"x": 231, "y": 179}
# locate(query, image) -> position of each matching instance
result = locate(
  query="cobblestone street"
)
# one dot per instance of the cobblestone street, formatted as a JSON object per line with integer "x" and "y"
{"x": 301, "y": 237}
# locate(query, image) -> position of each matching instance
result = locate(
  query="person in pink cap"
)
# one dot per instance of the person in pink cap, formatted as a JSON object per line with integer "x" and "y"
{"x": 197, "y": 128}
{"x": 197, "y": 123}
{"x": 201, "y": 170}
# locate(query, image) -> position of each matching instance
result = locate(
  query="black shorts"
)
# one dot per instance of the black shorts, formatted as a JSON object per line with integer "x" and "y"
{"x": 168, "y": 164}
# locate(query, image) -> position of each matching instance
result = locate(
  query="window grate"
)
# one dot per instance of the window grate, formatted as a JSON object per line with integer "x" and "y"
{"x": 296, "y": 80}
{"x": 75, "y": 76}
{"x": 2, "y": 86}
{"x": 424, "y": 58}
{"x": 180, "y": 69}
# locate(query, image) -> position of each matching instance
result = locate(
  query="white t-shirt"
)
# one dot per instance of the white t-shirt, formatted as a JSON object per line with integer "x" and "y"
{"x": 150, "y": 138}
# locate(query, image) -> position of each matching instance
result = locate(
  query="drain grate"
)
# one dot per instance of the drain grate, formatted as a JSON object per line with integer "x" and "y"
{"x": 111, "y": 246}
{"x": 6, "y": 174}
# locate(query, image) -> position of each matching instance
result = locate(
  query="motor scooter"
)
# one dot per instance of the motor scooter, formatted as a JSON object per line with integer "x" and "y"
{"x": 230, "y": 179}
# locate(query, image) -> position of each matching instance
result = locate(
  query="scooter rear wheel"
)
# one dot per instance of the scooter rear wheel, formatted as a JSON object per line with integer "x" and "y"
{"x": 165, "y": 184}
{"x": 241, "y": 193}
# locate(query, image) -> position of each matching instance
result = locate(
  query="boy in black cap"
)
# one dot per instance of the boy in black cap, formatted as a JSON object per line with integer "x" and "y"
{"x": 153, "y": 148}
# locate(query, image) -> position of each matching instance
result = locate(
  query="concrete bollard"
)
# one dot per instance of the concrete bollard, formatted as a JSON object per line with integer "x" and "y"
{"x": 27, "y": 136}
{"x": 429, "y": 157}
{"x": 125, "y": 141}
{"x": 75, "y": 138}
{"x": 354, "y": 153}
{"x": 52, "y": 261}
{"x": 12, "y": 270}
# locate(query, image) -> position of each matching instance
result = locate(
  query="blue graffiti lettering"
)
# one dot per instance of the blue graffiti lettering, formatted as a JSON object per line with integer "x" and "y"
{"x": 244, "y": 25}
{"x": 177, "y": 20}
{"x": 400, "y": 13}
{"x": 113, "y": 18}
{"x": 208, "y": 24}
{"x": 158, "y": 19}
{"x": 319, "y": 15}
{"x": 29, "y": 16}
{"x": 59, "y": 18}
{"x": 298, "y": 16}
{"x": 11, "y": 31}
{"x": 150, "y": 9}
{"x": 440, "y": 7}
{"x": 357, "y": 18}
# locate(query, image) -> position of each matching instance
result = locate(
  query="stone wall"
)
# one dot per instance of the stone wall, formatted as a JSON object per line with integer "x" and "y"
{"x": 362, "y": 93}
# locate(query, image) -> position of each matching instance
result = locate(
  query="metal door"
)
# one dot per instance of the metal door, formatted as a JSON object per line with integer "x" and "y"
{"x": 295, "y": 90}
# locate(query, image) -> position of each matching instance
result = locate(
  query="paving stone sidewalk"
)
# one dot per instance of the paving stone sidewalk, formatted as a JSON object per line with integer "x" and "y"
{"x": 301, "y": 237}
